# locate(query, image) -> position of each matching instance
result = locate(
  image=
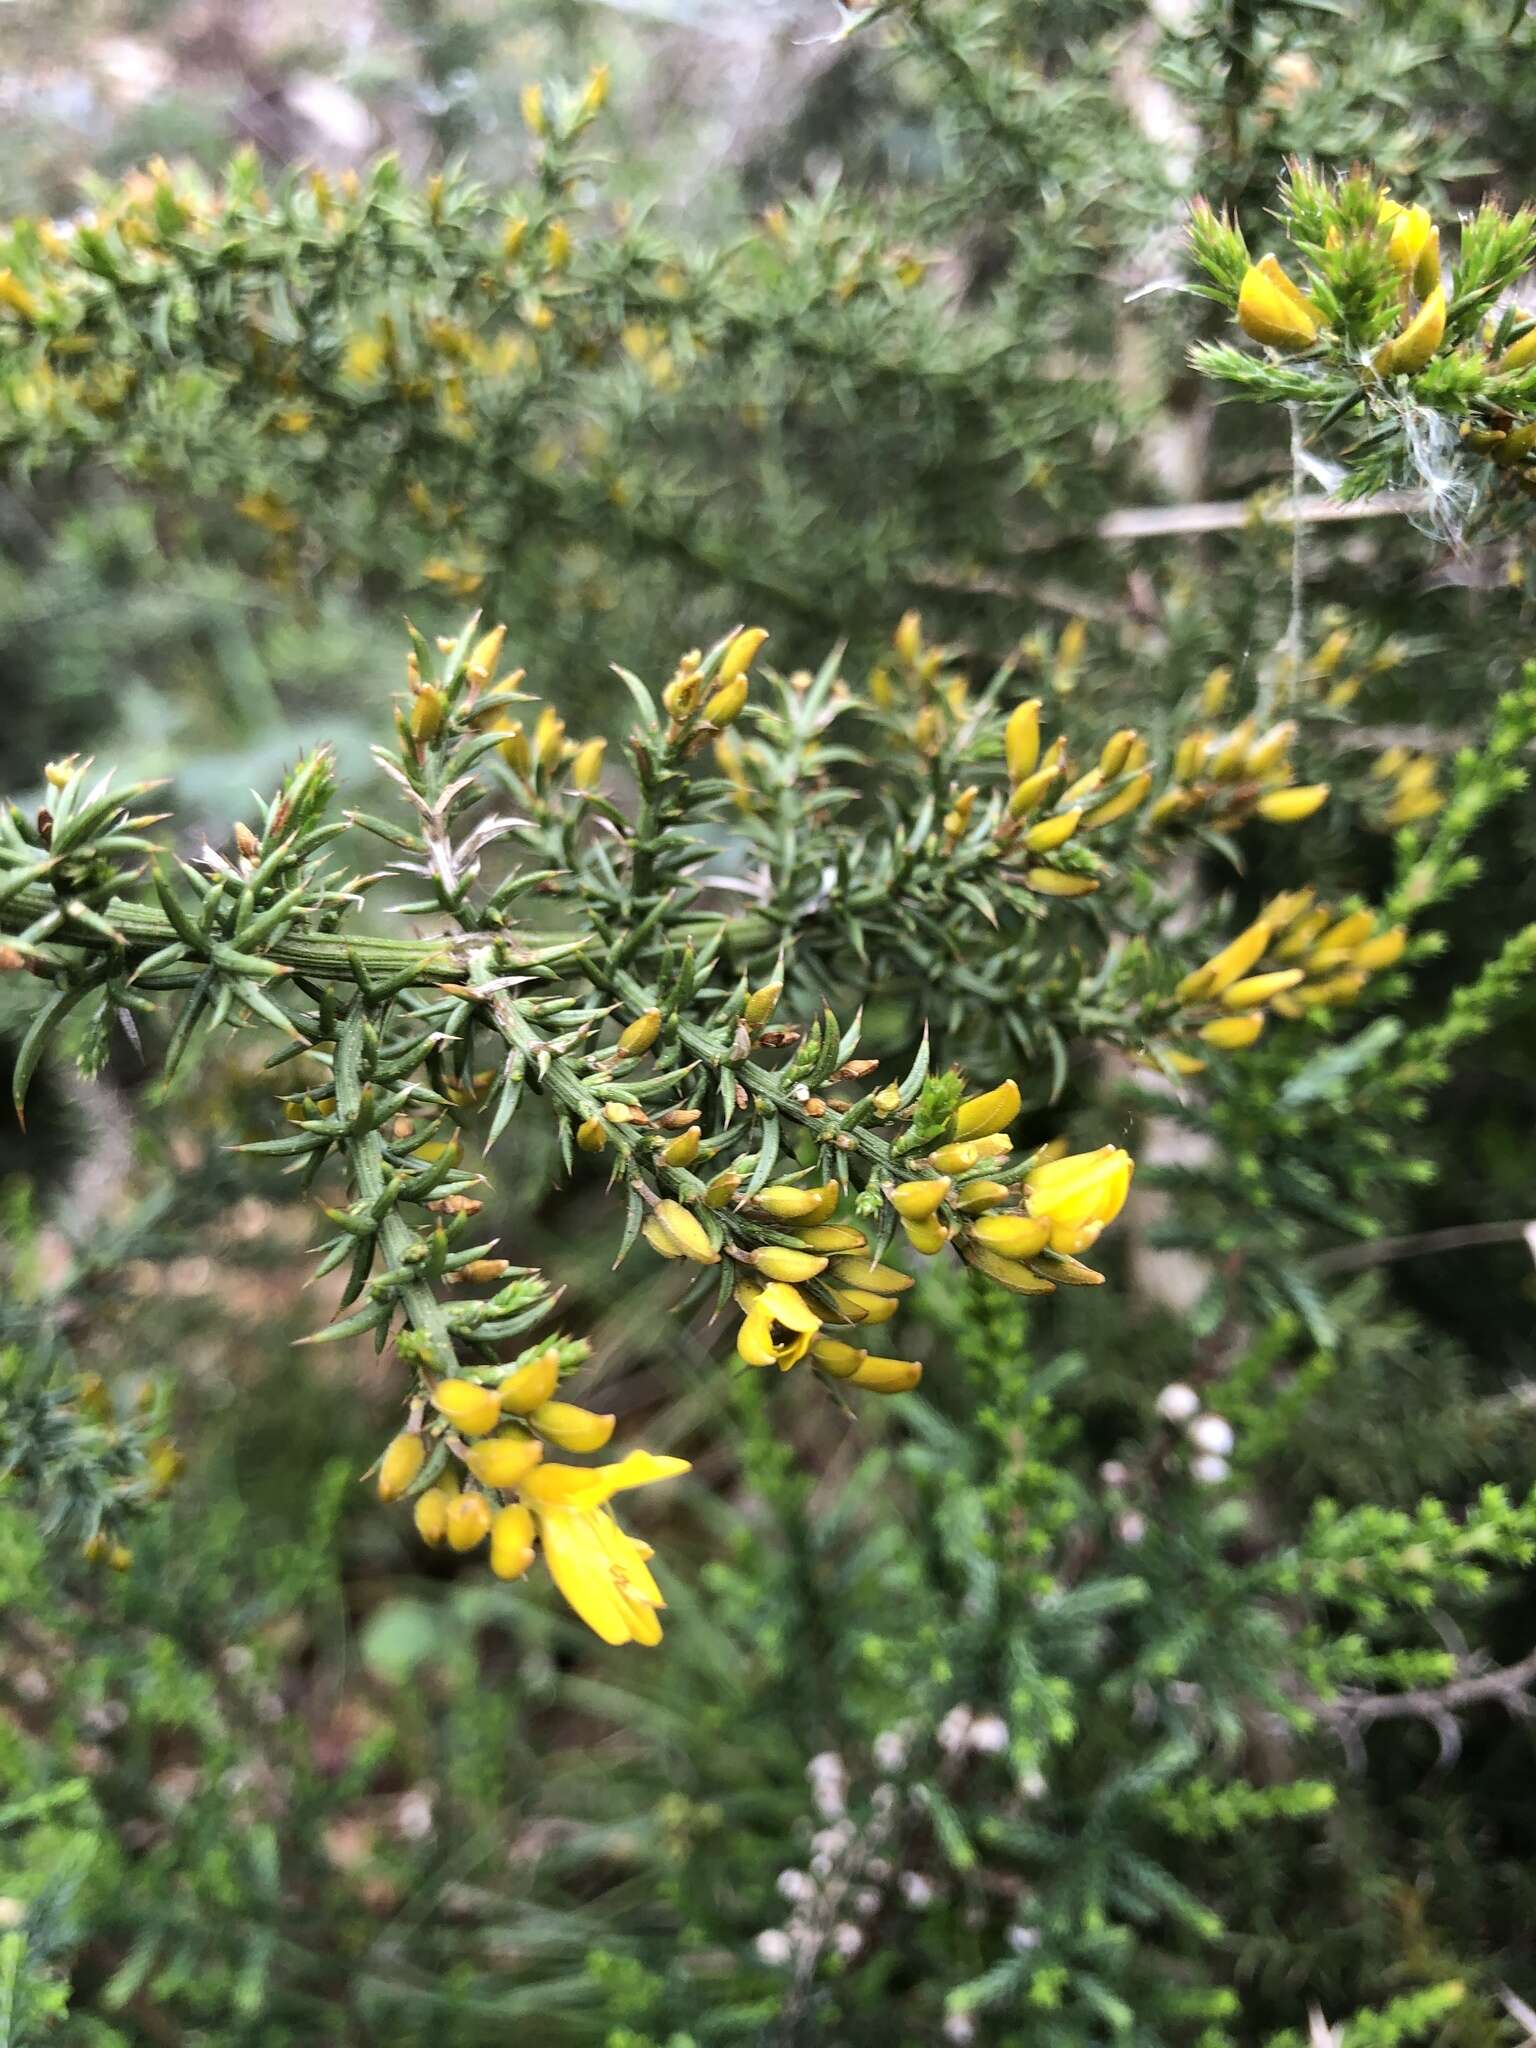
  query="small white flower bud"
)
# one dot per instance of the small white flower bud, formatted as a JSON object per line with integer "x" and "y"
{"x": 1212, "y": 1433}
{"x": 889, "y": 1749}
{"x": 1209, "y": 1469}
{"x": 847, "y": 1939}
{"x": 1114, "y": 1473}
{"x": 953, "y": 1730}
{"x": 794, "y": 1885}
{"x": 1177, "y": 1402}
{"x": 915, "y": 1889}
{"x": 1022, "y": 1939}
{"x": 1132, "y": 1527}
{"x": 960, "y": 2027}
{"x": 988, "y": 1735}
{"x": 774, "y": 1947}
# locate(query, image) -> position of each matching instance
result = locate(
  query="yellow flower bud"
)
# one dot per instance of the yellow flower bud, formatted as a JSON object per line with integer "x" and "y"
{"x": 739, "y": 657}
{"x": 1054, "y": 882}
{"x": 467, "y": 1521}
{"x": 791, "y": 1204}
{"x": 1021, "y": 740}
{"x": 549, "y": 739}
{"x": 587, "y": 764}
{"x": 1121, "y": 804}
{"x": 1016, "y": 1237}
{"x": 531, "y": 1385}
{"x": 1383, "y": 951}
{"x": 915, "y": 1201}
{"x": 531, "y": 101}
{"x": 1520, "y": 354}
{"x": 908, "y": 637}
{"x": 962, "y": 1155}
{"x": 1351, "y": 930}
{"x": 557, "y": 245}
{"x": 722, "y": 1189}
{"x": 978, "y": 1195}
{"x": 1254, "y": 989}
{"x": 727, "y": 703}
{"x": 512, "y": 1532}
{"x": 1231, "y": 1034}
{"x": 683, "y": 1149}
{"x": 572, "y": 1428}
{"x": 1414, "y": 246}
{"x": 1213, "y": 691}
{"x": 926, "y": 1238}
{"x": 513, "y": 747}
{"x": 1272, "y": 310}
{"x": 862, "y": 1305}
{"x": 1031, "y": 790}
{"x": 677, "y": 1233}
{"x": 14, "y": 293}
{"x": 484, "y": 655}
{"x": 886, "y": 1375}
{"x": 1009, "y": 1273}
{"x": 1290, "y": 806}
{"x": 830, "y": 1237}
{"x": 640, "y": 1036}
{"x": 983, "y": 1116}
{"x": 428, "y": 707}
{"x": 1269, "y": 750}
{"x": 1116, "y": 752}
{"x": 430, "y": 1515}
{"x": 592, "y": 1134}
{"x": 475, "y": 1410}
{"x": 1053, "y": 831}
{"x": 863, "y": 1273}
{"x": 761, "y": 1004}
{"x": 1229, "y": 965}
{"x": 505, "y": 1461}
{"x": 833, "y": 1356}
{"x": 1405, "y": 354}
{"x": 401, "y": 1465}
{"x": 776, "y": 1262}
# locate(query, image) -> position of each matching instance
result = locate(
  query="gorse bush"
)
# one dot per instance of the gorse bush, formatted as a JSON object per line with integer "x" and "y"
{"x": 1059, "y": 949}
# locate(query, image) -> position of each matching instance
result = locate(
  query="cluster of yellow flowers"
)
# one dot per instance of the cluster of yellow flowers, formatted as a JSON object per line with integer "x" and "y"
{"x": 1297, "y": 955}
{"x": 487, "y": 1439}
{"x": 1273, "y": 309}
{"x": 1411, "y": 788}
{"x": 1225, "y": 777}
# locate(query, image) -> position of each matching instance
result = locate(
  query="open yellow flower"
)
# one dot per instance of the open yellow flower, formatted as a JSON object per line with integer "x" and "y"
{"x": 601, "y": 1570}
{"x": 1079, "y": 1195}
{"x": 779, "y": 1326}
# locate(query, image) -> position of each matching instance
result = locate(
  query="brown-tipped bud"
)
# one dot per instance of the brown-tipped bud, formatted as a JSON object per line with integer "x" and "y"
{"x": 247, "y": 842}
{"x": 640, "y": 1036}
{"x": 678, "y": 1119}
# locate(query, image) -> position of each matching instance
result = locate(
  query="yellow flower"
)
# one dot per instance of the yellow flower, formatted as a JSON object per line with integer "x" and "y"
{"x": 601, "y": 1571}
{"x": 1080, "y": 1194}
{"x": 1408, "y": 352}
{"x": 1271, "y": 309}
{"x": 984, "y": 1115}
{"x": 779, "y": 1327}
{"x": 400, "y": 1465}
{"x": 918, "y": 1200}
